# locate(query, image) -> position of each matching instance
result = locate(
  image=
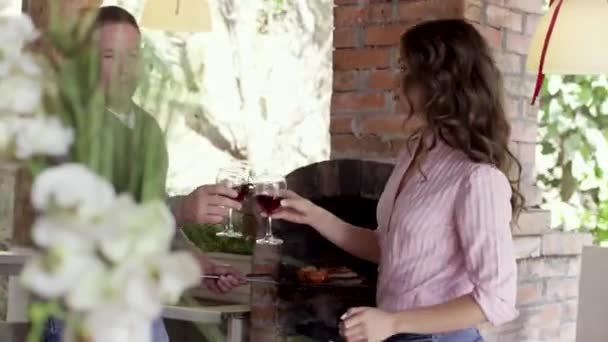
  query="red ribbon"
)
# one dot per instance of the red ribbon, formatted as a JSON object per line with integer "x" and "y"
{"x": 541, "y": 76}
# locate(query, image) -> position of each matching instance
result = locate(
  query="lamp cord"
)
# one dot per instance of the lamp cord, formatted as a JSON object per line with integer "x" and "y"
{"x": 541, "y": 76}
{"x": 177, "y": 6}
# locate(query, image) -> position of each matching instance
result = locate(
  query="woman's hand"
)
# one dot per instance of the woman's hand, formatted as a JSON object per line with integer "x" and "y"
{"x": 364, "y": 324}
{"x": 296, "y": 209}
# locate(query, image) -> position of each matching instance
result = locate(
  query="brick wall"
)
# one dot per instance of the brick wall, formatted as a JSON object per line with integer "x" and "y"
{"x": 366, "y": 123}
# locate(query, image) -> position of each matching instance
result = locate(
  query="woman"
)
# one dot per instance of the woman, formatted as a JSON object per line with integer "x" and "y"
{"x": 443, "y": 243}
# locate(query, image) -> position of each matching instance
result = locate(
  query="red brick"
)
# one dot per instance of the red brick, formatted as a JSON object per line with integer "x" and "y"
{"x": 561, "y": 289}
{"x": 509, "y": 63}
{"x": 362, "y": 58}
{"x": 513, "y": 107}
{"x": 543, "y": 316}
{"x": 574, "y": 266}
{"x": 345, "y": 80}
{"x": 532, "y": 21}
{"x": 492, "y": 36}
{"x": 536, "y": 268}
{"x": 570, "y": 311}
{"x": 532, "y": 194}
{"x": 343, "y": 142}
{"x": 473, "y": 11}
{"x": 345, "y": 2}
{"x": 345, "y": 37}
{"x": 532, "y": 222}
{"x": 375, "y": 146}
{"x": 350, "y": 145}
{"x": 357, "y": 101}
{"x": 567, "y": 332}
{"x": 517, "y": 43}
{"x": 531, "y": 6}
{"x": 340, "y": 124}
{"x": 380, "y": 13}
{"x": 348, "y": 16}
{"x": 430, "y": 9}
{"x": 527, "y": 246}
{"x": 526, "y": 153}
{"x": 530, "y": 111}
{"x": 386, "y": 125}
{"x": 530, "y": 293}
{"x": 384, "y": 35}
{"x": 497, "y": 16}
{"x": 565, "y": 243}
{"x": 524, "y": 131}
{"x": 513, "y": 85}
{"x": 382, "y": 79}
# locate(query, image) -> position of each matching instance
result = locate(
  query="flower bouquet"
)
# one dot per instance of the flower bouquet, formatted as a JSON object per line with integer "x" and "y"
{"x": 102, "y": 261}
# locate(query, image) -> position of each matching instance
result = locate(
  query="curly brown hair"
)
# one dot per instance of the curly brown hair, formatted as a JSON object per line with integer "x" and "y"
{"x": 464, "y": 102}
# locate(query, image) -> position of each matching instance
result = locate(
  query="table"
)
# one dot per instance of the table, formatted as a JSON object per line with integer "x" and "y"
{"x": 11, "y": 263}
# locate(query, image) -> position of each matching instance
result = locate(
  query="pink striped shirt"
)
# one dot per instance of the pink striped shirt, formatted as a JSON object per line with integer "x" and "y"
{"x": 447, "y": 236}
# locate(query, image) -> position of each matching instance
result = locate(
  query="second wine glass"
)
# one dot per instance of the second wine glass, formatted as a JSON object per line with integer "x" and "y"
{"x": 237, "y": 178}
{"x": 267, "y": 190}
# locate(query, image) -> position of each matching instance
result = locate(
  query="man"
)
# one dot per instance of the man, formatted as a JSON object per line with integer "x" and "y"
{"x": 118, "y": 41}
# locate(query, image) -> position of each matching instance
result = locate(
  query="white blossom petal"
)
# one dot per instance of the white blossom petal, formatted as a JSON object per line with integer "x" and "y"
{"x": 42, "y": 136}
{"x": 177, "y": 272}
{"x": 61, "y": 232}
{"x": 91, "y": 290}
{"x": 139, "y": 232}
{"x": 19, "y": 94}
{"x": 54, "y": 273}
{"x": 75, "y": 188}
{"x": 116, "y": 324}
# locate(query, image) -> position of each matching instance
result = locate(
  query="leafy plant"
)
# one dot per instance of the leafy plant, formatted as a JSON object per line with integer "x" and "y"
{"x": 573, "y": 165}
{"x": 204, "y": 237}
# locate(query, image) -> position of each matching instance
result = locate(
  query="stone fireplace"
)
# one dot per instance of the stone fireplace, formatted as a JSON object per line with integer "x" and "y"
{"x": 350, "y": 189}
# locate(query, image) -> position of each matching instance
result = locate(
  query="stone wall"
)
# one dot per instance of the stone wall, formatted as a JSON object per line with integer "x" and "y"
{"x": 367, "y": 123}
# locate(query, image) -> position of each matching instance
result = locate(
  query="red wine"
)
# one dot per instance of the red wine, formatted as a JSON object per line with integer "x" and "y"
{"x": 243, "y": 190}
{"x": 269, "y": 203}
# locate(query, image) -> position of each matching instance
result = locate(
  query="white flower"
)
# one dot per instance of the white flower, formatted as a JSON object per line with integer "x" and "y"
{"x": 54, "y": 273}
{"x": 15, "y": 32}
{"x": 19, "y": 93}
{"x": 140, "y": 231}
{"x": 146, "y": 284}
{"x": 92, "y": 289}
{"x": 64, "y": 232}
{"x": 75, "y": 188}
{"x": 176, "y": 273}
{"x": 42, "y": 136}
{"x": 114, "y": 323}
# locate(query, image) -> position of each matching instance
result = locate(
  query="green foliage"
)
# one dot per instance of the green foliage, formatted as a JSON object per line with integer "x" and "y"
{"x": 203, "y": 236}
{"x": 574, "y": 151}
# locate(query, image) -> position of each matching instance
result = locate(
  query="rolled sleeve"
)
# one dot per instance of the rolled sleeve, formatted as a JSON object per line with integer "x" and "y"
{"x": 483, "y": 218}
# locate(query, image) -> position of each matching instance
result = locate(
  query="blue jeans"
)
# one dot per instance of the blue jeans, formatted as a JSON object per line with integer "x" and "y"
{"x": 53, "y": 331}
{"x": 467, "y": 335}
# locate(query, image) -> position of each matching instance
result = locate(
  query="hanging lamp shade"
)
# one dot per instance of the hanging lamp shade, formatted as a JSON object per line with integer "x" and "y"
{"x": 177, "y": 15}
{"x": 568, "y": 40}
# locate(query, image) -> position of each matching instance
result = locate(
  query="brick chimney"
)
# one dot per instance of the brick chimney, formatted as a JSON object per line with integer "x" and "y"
{"x": 365, "y": 123}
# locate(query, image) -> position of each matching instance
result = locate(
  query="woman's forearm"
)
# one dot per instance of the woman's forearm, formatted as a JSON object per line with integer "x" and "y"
{"x": 457, "y": 314}
{"x": 357, "y": 241}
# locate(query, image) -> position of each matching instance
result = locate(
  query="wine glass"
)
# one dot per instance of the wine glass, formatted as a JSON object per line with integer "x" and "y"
{"x": 237, "y": 178}
{"x": 267, "y": 194}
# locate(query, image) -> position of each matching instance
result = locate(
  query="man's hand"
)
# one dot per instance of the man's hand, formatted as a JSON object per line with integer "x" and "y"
{"x": 229, "y": 277}
{"x": 208, "y": 204}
